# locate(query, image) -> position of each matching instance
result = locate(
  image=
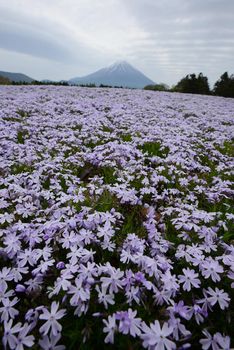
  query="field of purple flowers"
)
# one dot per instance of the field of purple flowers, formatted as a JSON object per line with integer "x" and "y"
{"x": 116, "y": 219}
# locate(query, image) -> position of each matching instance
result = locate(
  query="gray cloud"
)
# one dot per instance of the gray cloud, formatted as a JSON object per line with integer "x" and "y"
{"x": 27, "y": 40}
{"x": 39, "y": 38}
{"x": 186, "y": 35}
{"x": 165, "y": 39}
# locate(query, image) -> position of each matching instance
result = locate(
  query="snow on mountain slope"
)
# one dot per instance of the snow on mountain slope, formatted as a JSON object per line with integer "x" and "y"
{"x": 120, "y": 73}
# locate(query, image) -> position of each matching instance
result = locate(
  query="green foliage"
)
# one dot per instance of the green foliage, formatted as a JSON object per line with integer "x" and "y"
{"x": 92, "y": 144}
{"x": 4, "y": 80}
{"x": 193, "y": 84}
{"x": 63, "y": 184}
{"x": 157, "y": 87}
{"x": 133, "y": 219}
{"x": 154, "y": 149}
{"x": 126, "y": 137}
{"x": 88, "y": 171}
{"x": 171, "y": 234}
{"x": 46, "y": 183}
{"x": 108, "y": 174}
{"x": 227, "y": 148}
{"x": 11, "y": 119}
{"x": 224, "y": 86}
{"x": 107, "y": 129}
{"x": 106, "y": 202}
{"x": 21, "y": 136}
{"x": 19, "y": 168}
{"x": 23, "y": 113}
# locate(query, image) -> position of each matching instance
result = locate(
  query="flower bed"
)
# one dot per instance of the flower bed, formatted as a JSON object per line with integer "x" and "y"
{"x": 116, "y": 219}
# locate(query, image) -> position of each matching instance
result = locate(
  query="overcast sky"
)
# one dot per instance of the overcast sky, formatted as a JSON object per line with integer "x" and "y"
{"x": 165, "y": 39}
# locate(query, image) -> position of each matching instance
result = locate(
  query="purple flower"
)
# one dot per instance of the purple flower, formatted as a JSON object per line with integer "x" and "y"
{"x": 5, "y": 276}
{"x": 128, "y": 323}
{"x": 50, "y": 342}
{"x": 218, "y": 296}
{"x": 178, "y": 328}
{"x": 102, "y": 207}
{"x": 216, "y": 342}
{"x": 32, "y": 316}
{"x": 199, "y": 313}
{"x": 5, "y": 293}
{"x": 113, "y": 282}
{"x": 51, "y": 318}
{"x": 189, "y": 279}
{"x": 155, "y": 337}
{"x": 211, "y": 268}
{"x": 8, "y": 311}
{"x": 110, "y": 328}
{"x": 170, "y": 282}
{"x": 23, "y": 339}
{"x": 10, "y": 334}
{"x": 20, "y": 288}
{"x": 181, "y": 309}
{"x": 104, "y": 297}
{"x": 62, "y": 282}
{"x": 106, "y": 231}
{"x": 79, "y": 292}
{"x": 60, "y": 265}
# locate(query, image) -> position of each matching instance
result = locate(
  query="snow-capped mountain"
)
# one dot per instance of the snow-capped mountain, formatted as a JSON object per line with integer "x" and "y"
{"x": 121, "y": 73}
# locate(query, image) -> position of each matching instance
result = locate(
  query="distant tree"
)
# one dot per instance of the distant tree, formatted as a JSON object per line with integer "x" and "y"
{"x": 110, "y": 86}
{"x": 224, "y": 86}
{"x": 4, "y": 80}
{"x": 89, "y": 85}
{"x": 37, "y": 82}
{"x": 56, "y": 83}
{"x": 193, "y": 84}
{"x": 157, "y": 87}
{"x": 203, "y": 85}
{"x": 20, "y": 83}
{"x": 105, "y": 86}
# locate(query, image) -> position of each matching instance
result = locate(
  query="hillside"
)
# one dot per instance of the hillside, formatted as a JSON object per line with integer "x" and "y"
{"x": 17, "y": 77}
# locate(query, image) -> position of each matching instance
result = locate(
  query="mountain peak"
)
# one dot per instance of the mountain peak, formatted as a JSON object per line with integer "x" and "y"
{"x": 120, "y": 73}
{"x": 120, "y": 62}
{"x": 119, "y": 65}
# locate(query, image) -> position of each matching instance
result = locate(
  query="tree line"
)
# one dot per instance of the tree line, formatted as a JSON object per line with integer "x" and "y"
{"x": 198, "y": 84}
{"x": 191, "y": 83}
{"x": 7, "y": 81}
